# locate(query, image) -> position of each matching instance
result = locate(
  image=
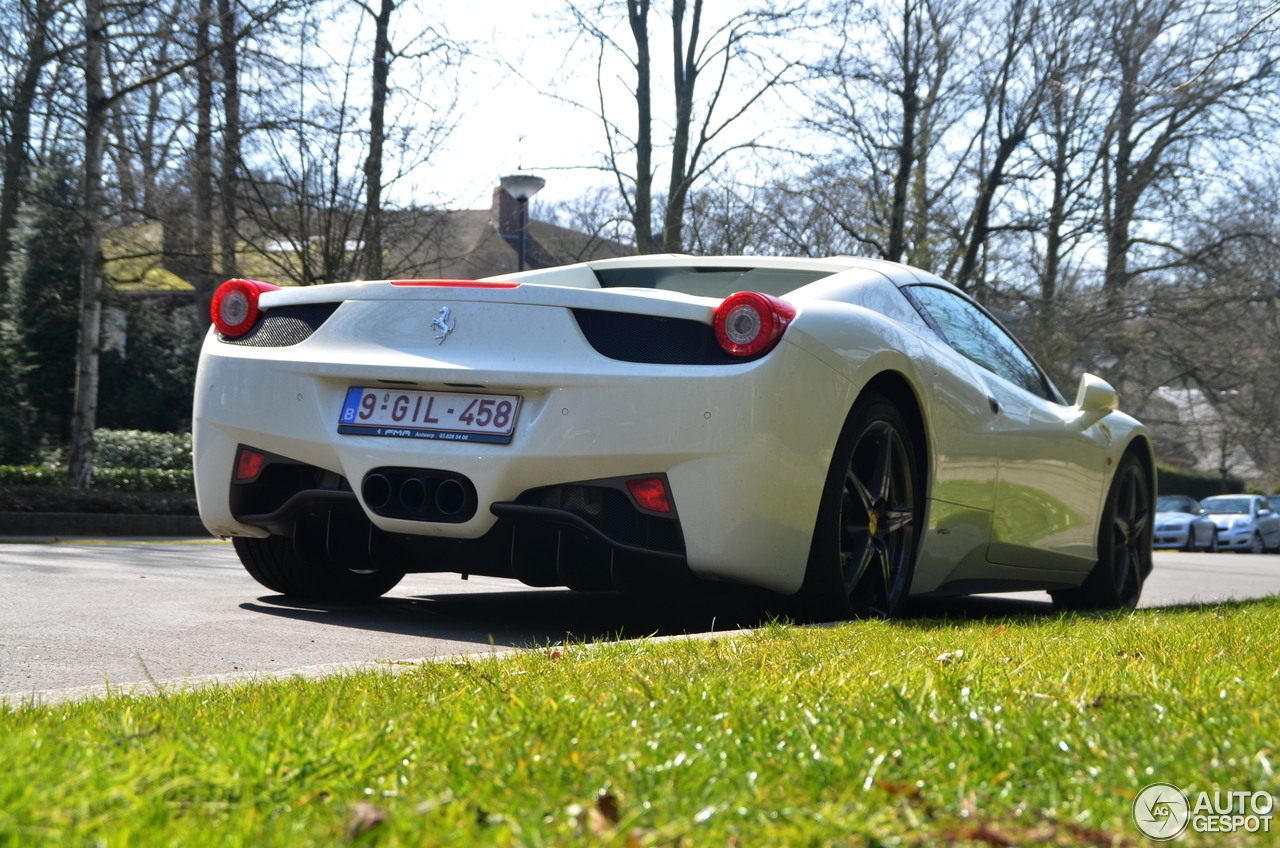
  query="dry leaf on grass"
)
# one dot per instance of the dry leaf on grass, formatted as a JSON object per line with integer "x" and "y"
{"x": 364, "y": 818}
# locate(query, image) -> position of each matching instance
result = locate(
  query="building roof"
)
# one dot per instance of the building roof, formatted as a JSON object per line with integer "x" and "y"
{"x": 419, "y": 244}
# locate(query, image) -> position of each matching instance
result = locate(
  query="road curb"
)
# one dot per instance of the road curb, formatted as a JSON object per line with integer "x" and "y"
{"x": 62, "y": 524}
{"x": 37, "y": 698}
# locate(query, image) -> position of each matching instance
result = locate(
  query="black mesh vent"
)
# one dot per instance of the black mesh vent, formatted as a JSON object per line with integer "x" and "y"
{"x": 279, "y": 481}
{"x": 285, "y": 325}
{"x": 648, "y": 338}
{"x": 612, "y": 513}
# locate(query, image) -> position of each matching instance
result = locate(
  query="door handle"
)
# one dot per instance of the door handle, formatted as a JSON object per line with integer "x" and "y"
{"x": 996, "y": 408}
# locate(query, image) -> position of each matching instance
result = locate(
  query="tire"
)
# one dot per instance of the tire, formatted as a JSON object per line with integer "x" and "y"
{"x": 1124, "y": 545}
{"x": 1213, "y": 546}
{"x": 1256, "y": 545}
{"x": 275, "y": 563}
{"x": 864, "y": 547}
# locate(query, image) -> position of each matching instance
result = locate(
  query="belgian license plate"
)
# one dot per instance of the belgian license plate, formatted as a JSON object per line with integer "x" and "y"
{"x": 449, "y": 416}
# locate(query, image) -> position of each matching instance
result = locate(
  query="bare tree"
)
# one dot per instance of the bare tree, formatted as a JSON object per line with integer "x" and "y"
{"x": 85, "y": 413}
{"x": 890, "y": 92}
{"x": 377, "y": 134}
{"x": 203, "y": 164}
{"x": 732, "y": 62}
{"x": 36, "y": 21}
{"x": 229, "y": 60}
{"x": 1184, "y": 75}
{"x": 1012, "y": 88}
{"x": 306, "y": 209}
{"x": 139, "y": 62}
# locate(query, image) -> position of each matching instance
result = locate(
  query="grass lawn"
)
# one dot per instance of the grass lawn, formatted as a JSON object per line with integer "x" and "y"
{"x": 928, "y": 732}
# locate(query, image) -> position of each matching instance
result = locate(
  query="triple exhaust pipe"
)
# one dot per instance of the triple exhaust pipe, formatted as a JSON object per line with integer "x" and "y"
{"x": 419, "y": 494}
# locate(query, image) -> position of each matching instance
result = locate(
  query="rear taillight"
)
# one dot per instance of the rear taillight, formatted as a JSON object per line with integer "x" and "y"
{"x": 235, "y": 306}
{"x": 750, "y": 323}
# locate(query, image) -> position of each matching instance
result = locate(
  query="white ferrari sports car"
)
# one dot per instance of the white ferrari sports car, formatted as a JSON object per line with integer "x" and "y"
{"x": 845, "y": 433}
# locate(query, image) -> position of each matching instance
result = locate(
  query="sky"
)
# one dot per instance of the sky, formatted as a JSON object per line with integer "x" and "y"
{"x": 506, "y": 124}
{"x": 519, "y": 121}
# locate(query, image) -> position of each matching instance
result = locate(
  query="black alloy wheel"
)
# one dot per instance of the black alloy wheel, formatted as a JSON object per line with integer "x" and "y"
{"x": 1124, "y": 545}
{"x": 863, "y": 554}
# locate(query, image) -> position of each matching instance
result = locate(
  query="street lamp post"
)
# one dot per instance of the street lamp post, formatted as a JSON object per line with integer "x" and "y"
{"x": 522, "y": 187}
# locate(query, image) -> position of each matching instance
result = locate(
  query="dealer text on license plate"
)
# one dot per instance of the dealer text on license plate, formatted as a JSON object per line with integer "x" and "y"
{"x": 450, "y": 416}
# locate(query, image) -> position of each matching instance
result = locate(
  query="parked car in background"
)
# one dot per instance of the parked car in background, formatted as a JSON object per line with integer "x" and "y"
{"x": 1182, "y": 525}
{"x": 1245, "y": 523}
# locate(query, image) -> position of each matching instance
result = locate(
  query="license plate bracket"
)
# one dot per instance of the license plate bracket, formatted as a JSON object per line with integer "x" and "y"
{"x": 417, "y": 414}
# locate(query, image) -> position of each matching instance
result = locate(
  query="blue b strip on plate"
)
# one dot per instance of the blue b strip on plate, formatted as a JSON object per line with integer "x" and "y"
{"x": 350, "y": 405}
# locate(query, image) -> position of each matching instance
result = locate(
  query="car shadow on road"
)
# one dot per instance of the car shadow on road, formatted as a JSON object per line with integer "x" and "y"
{"x": 528, "y": 618}
{"x": 517, "y": 619}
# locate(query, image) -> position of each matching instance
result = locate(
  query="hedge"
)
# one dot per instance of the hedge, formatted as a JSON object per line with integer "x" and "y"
{"x": 141, "y": 449}
{"x": 1197, "y": 484}
{"x": 112, "y": 501}
{"x": 117, "y": 479}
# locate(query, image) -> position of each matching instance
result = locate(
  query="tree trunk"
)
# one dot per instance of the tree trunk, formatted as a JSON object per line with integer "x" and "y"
{"x": 906, "y": 147}
{"x": 1124, "y": 200}
{"x": 642, "y": 214}
{"x": 686, "y": 77}
{"x": 85, "y": 415}
{"x": 981, "y": 222}
{"x": 373, "y": 164}
{"x": 15, "y": 149}
{"x": 1053, "y": 241}
{"x": 203, "y": 263}
{"x": 230, "y": 135}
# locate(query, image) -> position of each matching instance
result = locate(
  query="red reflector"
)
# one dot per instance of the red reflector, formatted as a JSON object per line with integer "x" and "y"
{"x": 456, "y": 284}
{"x": 249, "y": 464}
{"x": 650, "y": 493}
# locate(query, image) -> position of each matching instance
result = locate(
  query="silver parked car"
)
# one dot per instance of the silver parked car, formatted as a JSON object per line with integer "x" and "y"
{"x": 1181, "y": 524}
{"x": 1245, "y": 523}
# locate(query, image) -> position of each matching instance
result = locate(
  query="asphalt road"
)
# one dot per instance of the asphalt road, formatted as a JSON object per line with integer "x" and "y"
{"x": 78, "y": 618}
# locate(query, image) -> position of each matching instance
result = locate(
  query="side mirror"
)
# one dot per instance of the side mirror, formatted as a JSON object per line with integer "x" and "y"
{"x": 1096, "y": 397}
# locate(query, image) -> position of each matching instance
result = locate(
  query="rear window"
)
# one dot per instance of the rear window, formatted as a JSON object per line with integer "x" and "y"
{"x": 709, "y": 282}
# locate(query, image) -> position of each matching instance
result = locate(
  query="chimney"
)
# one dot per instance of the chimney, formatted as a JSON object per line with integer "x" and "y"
{"x": 506, "y": 213}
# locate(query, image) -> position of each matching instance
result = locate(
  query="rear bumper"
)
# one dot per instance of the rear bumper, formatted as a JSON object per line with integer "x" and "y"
{"x": 745, "y": 448}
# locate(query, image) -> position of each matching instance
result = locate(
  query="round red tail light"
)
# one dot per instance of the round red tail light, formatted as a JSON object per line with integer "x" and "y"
{"x": 750, "y": 323}
{"x": 235, "y": 306}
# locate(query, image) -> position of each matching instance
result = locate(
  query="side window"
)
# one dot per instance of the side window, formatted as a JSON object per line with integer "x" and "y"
{"x": 978, "y": 338}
